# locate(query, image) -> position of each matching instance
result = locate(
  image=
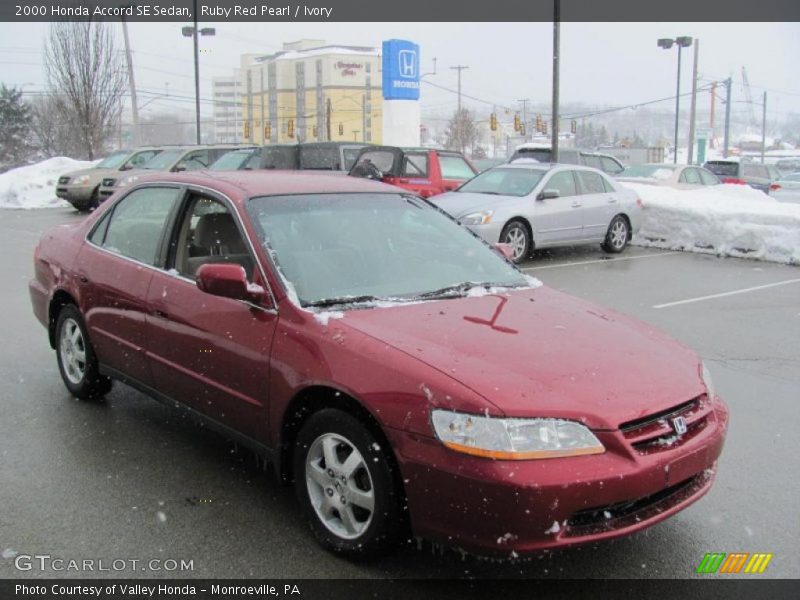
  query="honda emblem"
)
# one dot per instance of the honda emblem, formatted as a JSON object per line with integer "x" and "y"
{"x": 679, "y": 424}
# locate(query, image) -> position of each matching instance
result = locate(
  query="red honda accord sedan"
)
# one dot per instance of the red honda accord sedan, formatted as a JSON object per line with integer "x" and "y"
{"x": 401, "y": 372}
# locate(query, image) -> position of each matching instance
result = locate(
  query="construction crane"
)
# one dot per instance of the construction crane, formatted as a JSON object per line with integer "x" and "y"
{"x": 749, "y": 97}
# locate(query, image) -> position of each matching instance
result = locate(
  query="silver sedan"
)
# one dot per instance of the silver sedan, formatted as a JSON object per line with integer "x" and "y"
{"x": 535, "y": 205}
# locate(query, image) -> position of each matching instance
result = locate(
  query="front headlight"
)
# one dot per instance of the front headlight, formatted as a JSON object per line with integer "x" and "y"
{"x": 81, "y": 179}
{"x": 478, "y": 218}
{"x": 513, "y": 439}
{"x": 706, "y": 377}
{"x": 127, "y": 181}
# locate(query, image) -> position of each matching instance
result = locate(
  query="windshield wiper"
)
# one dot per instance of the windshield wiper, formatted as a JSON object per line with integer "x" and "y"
{"x": 460, "y": 288}
{"x": 325, "y": 302}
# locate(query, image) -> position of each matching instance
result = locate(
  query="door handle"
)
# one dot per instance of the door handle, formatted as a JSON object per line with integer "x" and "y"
{"x": 612, "y": 200}
{"x": 576, "y": 205}
{"x": 161, "y": 314}
{"x": 83, "y": 279}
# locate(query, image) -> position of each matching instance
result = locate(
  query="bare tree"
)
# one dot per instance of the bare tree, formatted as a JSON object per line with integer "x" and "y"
{"x": 462, "y": 132}
{"x": 87, "y": 77}
{"x": 53, "y": 134}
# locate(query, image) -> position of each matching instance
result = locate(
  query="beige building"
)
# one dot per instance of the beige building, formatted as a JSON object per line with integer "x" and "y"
{"x": 311, "y": 91}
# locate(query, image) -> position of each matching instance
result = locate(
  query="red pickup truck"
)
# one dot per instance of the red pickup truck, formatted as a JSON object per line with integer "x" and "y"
{"x": 424, "y": 171}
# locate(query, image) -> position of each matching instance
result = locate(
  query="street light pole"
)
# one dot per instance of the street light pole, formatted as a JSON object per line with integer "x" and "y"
{"x": 728, "y": 86}
{"x": 194, "y": 33}
{"x": 666, "y": 44}
{"x": 459, "y": 68}
{"x": 556, "y": 51}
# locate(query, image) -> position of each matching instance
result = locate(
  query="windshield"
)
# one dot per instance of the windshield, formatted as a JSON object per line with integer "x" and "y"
{"x": 163, "y": 161}
{"x": 649, "y": 171}
{"x": 373, "y": 246}
{"x": 114, "y": 160}
{"x": 723, "y": 169}
{"x": 237, "y": 159}
{"x": 504, "y": 181}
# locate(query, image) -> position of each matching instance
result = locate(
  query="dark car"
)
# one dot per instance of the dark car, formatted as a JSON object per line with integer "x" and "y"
{"x": 745, "y": 172}
{"x": 393, "y": 365}
{"x": 424, "y": 171}
{"x": 570, "y": 156}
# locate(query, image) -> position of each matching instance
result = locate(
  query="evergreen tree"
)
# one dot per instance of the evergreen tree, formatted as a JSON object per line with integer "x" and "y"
{"x": 15, "y": 126}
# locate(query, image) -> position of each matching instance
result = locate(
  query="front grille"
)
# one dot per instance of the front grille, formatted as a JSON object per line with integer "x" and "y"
{"x": 63, "y": 180}
{"x": 109, "y": 182}
{"x": 656, "y": 432}
{"x": 624, "y": 514}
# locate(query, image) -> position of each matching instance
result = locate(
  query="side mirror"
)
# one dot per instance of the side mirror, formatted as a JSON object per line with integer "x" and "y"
{"x": 548, "y": 195}
{"x": 179, "y": 168}
{"x": 228, "y": 280}
{"x": 505, "y": 249}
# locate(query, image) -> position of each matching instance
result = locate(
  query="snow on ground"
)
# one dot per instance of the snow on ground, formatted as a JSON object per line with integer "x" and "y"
{"x": 729, "y": 220}
{"x": 34, "y": 186}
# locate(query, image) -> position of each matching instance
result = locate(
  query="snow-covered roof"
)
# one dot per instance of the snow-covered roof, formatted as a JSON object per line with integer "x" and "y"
{"x": 319, "y": 51}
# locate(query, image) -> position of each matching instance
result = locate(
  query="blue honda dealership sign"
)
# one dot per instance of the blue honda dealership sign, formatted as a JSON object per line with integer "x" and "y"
{"x": 400, "y": 70}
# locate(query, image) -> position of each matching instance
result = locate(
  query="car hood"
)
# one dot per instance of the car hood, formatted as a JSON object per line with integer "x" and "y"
{"x": 93, "y": 172}
{"x": 540, "y": 352}
{"x": 459, "y": 204}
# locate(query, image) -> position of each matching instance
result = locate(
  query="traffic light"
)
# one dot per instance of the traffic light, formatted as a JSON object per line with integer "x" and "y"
{"x": 522, "y": 129}
{"x": 341, "y": 129}
{"x": 493, "y": 122}
{"x": 290, "y": 128}
{"x": 247, "y": 129}
{"x": 517, "y": 122}
{"x": 544, "y": 127}
{"x": 268, "y": 131}
{"x": 574, "y": 127}
{"x": 539, "y": 126}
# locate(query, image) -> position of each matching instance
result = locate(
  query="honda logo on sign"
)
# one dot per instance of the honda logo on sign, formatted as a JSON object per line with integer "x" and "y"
{"x": 408, "y": 63}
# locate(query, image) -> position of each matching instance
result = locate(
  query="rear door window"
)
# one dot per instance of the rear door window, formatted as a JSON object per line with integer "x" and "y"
{"x": 591, "y": 183}
{"x": 592, "y": 161}
{"x": 690, "y": 176}
{"x": 455, "y": 167}
{"x": 415, "y": 165}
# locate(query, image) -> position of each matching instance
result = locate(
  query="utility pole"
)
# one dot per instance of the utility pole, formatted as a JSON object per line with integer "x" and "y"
{"x": 328, "y": 120}
{"x": 194, "y": 33}
{"x": 693, "y": 107}
{"x": 728, "y": 85}
{"x": 711, "y": 119}
{"x": 524, "y": 102}
{"x": 459, "y": 68}
{"x": 363, "y": 118}
{"x": 556, "y": 51}
{"x": 131, "y": 82}
{"x": 763, "y": 127}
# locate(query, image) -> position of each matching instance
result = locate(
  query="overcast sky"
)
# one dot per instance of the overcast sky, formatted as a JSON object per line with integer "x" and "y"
{"x": 602, "y": 63}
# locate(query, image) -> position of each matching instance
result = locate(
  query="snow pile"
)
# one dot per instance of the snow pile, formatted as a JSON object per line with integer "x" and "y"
{"x": 730, "y": 220}
{"x": 34, "y": 186}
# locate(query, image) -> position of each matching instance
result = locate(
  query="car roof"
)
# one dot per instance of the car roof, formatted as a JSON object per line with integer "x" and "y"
{"x": 268, "y": 182}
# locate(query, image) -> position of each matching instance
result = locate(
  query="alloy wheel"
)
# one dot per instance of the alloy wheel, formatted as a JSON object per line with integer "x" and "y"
{"x": 72, "y": 348}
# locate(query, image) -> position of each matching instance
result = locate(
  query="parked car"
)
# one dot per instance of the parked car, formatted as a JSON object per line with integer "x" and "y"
{"x": 273, "y": 156}
{"x": 171, "y": 159}
{"x": 788, "y": 165}
{"x": 787, "y": 188}
{"x": 569, "y": 156}
{"x": 533, "y": 205}
{"x": 314, "y": 156}
{"x": 733, "y": 170}
{"x": 481, "y": 164}
{"x": 397, "y": 369}
{"x": 82, "y": 188}
{"x": 424, "y": 171}
{"x": 682, "y": 177}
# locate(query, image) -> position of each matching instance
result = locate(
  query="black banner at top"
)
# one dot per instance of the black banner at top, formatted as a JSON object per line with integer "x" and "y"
{"x": 401, "y": 10}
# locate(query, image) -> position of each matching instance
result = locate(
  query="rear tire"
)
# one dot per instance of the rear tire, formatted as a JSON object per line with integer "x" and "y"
{"x": 617, "y": 235}
{"x": 77, "y": 362}
{"x": 345, "y": 485}
{"x": 516, "y": 234}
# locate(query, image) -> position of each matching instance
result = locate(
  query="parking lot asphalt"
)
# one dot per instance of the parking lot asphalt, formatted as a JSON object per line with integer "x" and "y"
{"x": 132, "y": 479}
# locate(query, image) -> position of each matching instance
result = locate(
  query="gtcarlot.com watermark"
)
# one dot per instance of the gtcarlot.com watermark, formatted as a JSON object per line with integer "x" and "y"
{"x": 46, "y": 562}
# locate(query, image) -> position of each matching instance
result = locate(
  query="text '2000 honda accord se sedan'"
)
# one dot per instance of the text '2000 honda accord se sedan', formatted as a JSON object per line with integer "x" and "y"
{"x": 400, "y": 371}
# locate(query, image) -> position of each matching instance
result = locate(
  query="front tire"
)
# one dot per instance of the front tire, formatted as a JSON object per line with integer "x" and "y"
{"x": 345, "y": 485}
{"x": 516, "y": 234}
{"x": 77, "y": 362}
{"x": 617, "y": 235}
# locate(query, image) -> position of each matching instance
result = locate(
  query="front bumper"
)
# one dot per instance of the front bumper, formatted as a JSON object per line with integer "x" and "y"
{"x": 80, "y": 194}
{"x": 490, "y": 506}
